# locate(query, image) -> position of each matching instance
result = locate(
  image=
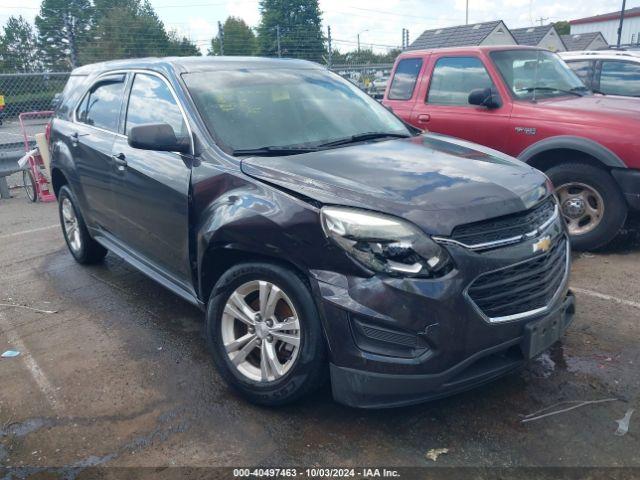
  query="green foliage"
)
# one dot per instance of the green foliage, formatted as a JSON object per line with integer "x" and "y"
{"x": 131, "y": 29}
{"x": 238, "y": 39}
{"x": 63, "y": 30}
{"x": 18, "y": 46}
{"x": 563, "y": 27}
{"x": 299, "y": 22}
{"x": 364, "y": 56}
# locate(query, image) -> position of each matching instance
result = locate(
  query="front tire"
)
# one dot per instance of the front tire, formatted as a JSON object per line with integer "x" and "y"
{"x": 591, "y": 202}
{"x": 264, "y": 333}
{"x": 85, "y": 250}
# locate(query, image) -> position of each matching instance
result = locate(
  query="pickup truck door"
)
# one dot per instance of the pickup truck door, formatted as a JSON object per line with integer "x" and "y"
{"x": 401, "y": 92}
{"x": 151, "y": 188}
{"x": 443, "y": 105}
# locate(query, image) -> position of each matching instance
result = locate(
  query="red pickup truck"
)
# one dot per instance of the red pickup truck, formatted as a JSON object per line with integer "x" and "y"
{"x": 527, "y": 103}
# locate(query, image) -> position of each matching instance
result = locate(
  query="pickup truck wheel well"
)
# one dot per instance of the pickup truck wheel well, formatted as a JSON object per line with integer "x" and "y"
{"x": 57, "y": 180}
{"x": 218, "y": 260}
{"x": 547, "y": 159}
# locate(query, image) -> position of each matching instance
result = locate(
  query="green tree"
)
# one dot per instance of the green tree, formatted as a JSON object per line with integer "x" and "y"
{"x": 63, "y": 30}
{"x": 132, "y": 29}
{"x": 298, "y": 23}
{"x": 18, "y": 46}
{"x": 563, "y": 27}
{"x": 238, "y": 39}
{"x": 181, "y": 46}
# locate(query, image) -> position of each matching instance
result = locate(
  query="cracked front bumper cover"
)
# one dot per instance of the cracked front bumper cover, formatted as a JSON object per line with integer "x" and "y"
{"x": 367, "y": 389}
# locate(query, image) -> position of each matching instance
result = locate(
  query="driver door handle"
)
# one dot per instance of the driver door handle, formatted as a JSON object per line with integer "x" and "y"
{"x": 424, "y": 118}
{"x": 120, "y": 161}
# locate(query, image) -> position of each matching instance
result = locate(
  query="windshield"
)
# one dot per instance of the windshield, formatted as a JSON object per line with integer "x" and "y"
{"x": 251, "y": 109}
{"x": 532, "y": 74}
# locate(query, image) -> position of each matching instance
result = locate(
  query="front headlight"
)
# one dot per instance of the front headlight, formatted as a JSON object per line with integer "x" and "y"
{"x": 384, "y": 243}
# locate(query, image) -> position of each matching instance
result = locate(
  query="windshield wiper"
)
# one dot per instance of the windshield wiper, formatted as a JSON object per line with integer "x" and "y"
{"x": 272, "y": 151}
{"x": 361, "y": 137}
{"x": 551, "y": 89}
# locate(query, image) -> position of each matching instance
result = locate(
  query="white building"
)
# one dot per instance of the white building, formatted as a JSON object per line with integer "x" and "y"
{"x": 608, "y": 24}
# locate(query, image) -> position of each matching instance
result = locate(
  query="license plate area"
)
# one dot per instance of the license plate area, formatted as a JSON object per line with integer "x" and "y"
{"x": 540, "y": 335}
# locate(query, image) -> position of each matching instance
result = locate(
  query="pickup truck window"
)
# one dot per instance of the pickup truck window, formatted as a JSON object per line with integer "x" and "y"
{"x": 249, "y": 109}
{"x": 532, "y": 74}
{"x": 454, "y": 78}
{"x": 620, "y": 78}
{"x": 151, "y": 90}
{"x": 404, "y": 79}
{"x": 101, "y": 105}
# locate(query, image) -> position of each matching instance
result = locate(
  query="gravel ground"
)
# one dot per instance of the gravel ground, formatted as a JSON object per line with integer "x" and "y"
{"x": 120, "y": 375}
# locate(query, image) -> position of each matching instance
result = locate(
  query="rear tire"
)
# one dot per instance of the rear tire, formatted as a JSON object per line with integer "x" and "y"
{"x": 85, "y": 250}
{"x": 259, "y": 376}
{"x": 591, "y": 203}
{"x": 29, "y": 184}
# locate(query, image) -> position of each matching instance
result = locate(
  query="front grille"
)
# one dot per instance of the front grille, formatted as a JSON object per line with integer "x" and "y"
{"x": 523, "y": 287}
{"x": 505, "y": 227}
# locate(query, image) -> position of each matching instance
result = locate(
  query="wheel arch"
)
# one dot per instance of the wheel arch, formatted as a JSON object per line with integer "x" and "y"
{"x": 217, "y": 259}
{"x": 58, "y": 179}
{"x": 550, "y": 151}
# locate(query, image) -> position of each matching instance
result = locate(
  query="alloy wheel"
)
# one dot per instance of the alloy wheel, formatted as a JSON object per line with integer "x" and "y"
{"x": 261, "y": 331}
{"x": 71, "y": 226}
{"x": 582, "y": 207}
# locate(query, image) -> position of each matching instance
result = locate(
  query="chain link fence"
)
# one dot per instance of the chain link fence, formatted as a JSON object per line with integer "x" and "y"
{"x": 21, "y": 93}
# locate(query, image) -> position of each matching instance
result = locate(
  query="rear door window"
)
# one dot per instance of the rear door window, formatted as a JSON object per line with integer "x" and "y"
{"x": 454, "y": 78}
{"x": 151, "y": 101}
{"x": 101, "y": 105}
{"x": 404, "y": 79}
{"x": 620, "y": 78}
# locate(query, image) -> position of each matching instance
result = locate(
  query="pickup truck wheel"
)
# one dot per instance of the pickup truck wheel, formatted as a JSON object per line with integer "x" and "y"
{"x": 265, "y": 335}
{"x": 84, "y": 249}
{"x": 590, "y": 202}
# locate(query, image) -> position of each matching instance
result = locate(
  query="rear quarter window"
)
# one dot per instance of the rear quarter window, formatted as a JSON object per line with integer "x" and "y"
{"x": 70, "y": 94}
{"x": 404, "y": 79}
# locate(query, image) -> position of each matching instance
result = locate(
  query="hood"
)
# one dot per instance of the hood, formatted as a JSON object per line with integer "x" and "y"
{"x": 434, "y": 181}
{"x": 593, "y": 108}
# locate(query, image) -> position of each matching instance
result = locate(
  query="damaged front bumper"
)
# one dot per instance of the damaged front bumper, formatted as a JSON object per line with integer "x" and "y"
{"x": 363, "y": 389}
{"x": 399, "y": 341}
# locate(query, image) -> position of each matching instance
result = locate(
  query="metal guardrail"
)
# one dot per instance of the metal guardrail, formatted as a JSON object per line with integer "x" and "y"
{"x": 9, "y": 155}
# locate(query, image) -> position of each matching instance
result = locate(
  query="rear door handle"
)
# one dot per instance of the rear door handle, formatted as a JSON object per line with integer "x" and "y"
{"x": 424, "y": 118}
{"x": 75, "y": 136}
{"x": 120, "y": 161}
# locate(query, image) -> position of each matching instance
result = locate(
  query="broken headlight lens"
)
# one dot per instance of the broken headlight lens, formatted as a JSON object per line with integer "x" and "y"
{"x": 384, "y": 243}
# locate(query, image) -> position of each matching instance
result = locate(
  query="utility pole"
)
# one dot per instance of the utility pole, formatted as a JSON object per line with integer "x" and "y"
{"x": 466, "y": 17}
{"x": 278, "y": 40}
{"x": 624, "y": 4}
{"x": 329, "y": 42}
{"x": 221, "y": 37}
{"x": 403, "y": 44}
{"x": 406, "y": 42}
{"x": 542, "y": 20}
{"x": 363, "y": 31}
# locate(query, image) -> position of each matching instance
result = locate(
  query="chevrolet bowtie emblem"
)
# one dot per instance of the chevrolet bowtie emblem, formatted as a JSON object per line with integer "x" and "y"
{"x": 542, "y": 245}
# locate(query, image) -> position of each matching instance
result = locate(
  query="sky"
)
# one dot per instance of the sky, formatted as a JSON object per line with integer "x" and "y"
{"x": 379, "y": 22}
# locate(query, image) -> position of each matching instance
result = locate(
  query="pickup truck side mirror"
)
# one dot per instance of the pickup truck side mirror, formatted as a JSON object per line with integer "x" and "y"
{"x": 157, "y": 136}
{"x": 484, "y": 97}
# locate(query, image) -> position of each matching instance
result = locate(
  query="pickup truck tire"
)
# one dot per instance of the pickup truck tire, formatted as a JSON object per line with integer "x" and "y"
{"x": 263, "y": 367}
{"x": 85, "y": 250}
{"x": 593, "y": 187}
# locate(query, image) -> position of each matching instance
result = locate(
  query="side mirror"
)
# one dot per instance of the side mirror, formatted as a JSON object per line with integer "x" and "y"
{"x": 484, "y": 97}
{"x": 157, "y": 136}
